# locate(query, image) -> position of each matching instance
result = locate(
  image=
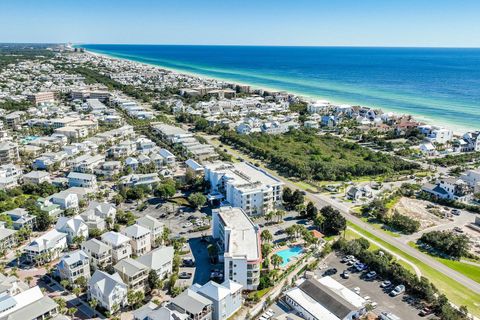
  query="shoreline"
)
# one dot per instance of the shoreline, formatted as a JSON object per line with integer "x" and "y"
{"x": 457, "y": 130}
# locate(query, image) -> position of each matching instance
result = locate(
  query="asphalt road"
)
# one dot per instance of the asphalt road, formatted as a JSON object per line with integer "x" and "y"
{"x": 322, "y": 200}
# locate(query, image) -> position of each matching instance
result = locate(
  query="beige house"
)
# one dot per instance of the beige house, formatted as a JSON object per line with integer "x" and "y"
{"x": 140, "y": 239}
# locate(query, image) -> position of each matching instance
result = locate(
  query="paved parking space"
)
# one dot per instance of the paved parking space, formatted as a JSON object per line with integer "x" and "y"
{"x": 395, "y": 305}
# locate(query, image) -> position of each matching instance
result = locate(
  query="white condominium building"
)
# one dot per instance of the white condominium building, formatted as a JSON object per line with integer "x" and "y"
{"x": 239, "y": 239}
{"x": 243, "y": 185}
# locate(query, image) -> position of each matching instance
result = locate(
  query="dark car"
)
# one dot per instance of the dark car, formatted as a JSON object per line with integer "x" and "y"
{"x": 330, "y": 272}
{"x": 185, "y": 275}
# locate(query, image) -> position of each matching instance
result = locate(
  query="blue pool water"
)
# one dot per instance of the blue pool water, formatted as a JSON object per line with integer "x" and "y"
{"x": 289, "y": 253}
{"x": 437, "y": 85}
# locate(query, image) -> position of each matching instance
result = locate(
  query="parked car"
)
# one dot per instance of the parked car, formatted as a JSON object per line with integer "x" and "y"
{"x": 330, "y": 272}
{"x": 345, "y": 274}
{"x": 456, "y": 212}
{"x": 373, "y": 305}
{"x": 425, "y": 312}
{"x": 188, "y": 262}
{"x": 371, "y": 275}
{"x": 458, "y": 229}
{"x": 184, "y": 275}
{"x": 397, "y": 290}
{"x": 386, "y": 284}
{"x": 356, "y": 290}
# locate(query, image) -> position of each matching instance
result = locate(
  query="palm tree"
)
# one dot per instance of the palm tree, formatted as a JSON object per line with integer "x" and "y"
{"x": 269, "y": 217}
{"x": 77, "y": 291}
{"x": 18, "y": 254}
{"x": 301, "y": 208}
{"x": 72, "y": 311}
{"x": 93, "y": 304}
{"x": 64, "y": 283}
{"x": 279, "y": 214}
{"x": 29, "y": 280}
{"x": 276, "y": 260}
{"x": 266, "y": 236}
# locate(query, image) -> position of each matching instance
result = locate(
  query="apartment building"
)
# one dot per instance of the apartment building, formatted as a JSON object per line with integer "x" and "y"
{"x": 239, "y": 243}
{"x": 243, "y": 185}
{"x": 42, "y": 97}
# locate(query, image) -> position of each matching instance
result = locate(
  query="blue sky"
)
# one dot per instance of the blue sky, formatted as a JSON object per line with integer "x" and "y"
{"x": 451, "y": 23}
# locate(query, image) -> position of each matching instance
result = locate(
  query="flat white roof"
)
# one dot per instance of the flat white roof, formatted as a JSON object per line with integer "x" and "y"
{"x": 244, "y": 174}
{"x": 243, "y": 240}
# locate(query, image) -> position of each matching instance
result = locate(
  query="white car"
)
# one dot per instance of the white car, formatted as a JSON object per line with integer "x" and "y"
{"x": 356, "y": 290}
{"x": 367, "y": 298}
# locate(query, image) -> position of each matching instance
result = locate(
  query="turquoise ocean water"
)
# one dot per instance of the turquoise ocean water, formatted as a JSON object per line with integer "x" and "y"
{"x": 437, "y": 85}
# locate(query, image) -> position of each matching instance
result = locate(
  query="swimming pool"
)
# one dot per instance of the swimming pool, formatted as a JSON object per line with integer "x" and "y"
{"x": 289, "y": 253}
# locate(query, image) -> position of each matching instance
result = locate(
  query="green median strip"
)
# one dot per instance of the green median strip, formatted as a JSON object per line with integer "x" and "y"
{"x": 456, "y": 292}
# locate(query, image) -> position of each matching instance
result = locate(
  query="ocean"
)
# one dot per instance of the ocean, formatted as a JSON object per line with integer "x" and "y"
{"x": 436, "y": 85}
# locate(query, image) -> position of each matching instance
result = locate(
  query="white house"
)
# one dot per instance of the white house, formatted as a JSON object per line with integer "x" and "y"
{"x": 120, "y": 245}
{"x": 65, "y": 199}
{"x": 37, "y": 177}
{"x": 472, "y": 178}
{"x": 226, "y": 297}
{"x": 108, "y": 290}
{"x": 84, "y": 180}
{"x": 99, "y": 253}
{"x": 47, "y": 247}
{"x": 73, "y": 227}
{"x": 74, "y": 265}
{"x": 450, "y": 188}
{"x": 240, "y": 248}
{"x": 152, "y": 224}
{"x": 159, "y": 260}
{"x": 140, "y": 239}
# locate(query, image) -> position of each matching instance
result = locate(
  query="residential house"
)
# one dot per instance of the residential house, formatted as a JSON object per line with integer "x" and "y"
{"x": 133, "y": 273}
{"x": 99, "y": 253}
{"x": 196, "y": 306}
{"x": 120, "y": 245}
{"x": 134, "y": 180}
{"x": 47, "y": 247}
{"x": 65, "y": 199}
{"x": 108, "y": 290}
{"x": 74, "y": 227}
{"x": 140, "y": 239}
{"x": 28, "y": 304}
{"x": 154, "y": 226}
{"x": 9, "y": 152}
{"x": 357, "y": 192}
{"x": 74, "y": 265}
{"x": 7, "y": 238}
{"x": 84, "y": 180}
{"x": 9, "y": 176}
{"x": 226, "y": 297}
{"x": 450, "y": 188}
{"x": 151, "y": 311}
{"x": 22, "y": 219}
{"x": 159, "y": 260}
{"x": 37, "y": 177}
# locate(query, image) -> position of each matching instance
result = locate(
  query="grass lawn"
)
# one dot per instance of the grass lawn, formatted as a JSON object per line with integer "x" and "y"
{"x": 457, "y": 293}
{"x": 181, "y": 201}
{"x": 469, "y": 270}
{"x": 379, "y": 226}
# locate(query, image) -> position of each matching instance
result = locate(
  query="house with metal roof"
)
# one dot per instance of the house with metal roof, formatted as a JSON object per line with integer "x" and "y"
{"x": 108, "y": 290}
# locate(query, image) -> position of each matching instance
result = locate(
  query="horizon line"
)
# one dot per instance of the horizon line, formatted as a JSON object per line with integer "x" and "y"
{"x": 250, "y": 45}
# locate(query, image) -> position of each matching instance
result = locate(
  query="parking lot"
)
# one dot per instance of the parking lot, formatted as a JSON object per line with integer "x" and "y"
{"x": 396, "y": 305}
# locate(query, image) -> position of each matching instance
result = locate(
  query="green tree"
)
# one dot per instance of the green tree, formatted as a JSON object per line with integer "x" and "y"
{"x": 197, "y": 200}
{"x": 276, "y": 260}
{"x": 266, "y": 236}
